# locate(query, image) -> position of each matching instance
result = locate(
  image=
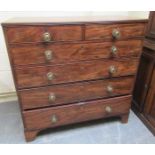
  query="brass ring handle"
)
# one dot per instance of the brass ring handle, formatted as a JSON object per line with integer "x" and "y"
{"x": 48, "y": 55}
{"x": 54, "y": 119}
{"x": 52, "y": 97}
{"x": 116, "y": 34}
{"x": 112, "y": 70}
{"x": 46, "y": 37}
{"x": 109, "y": 89}
{"x": 108, "y": 109}
{"x": 50, "y": 76}
{"x": 114, "y": 50}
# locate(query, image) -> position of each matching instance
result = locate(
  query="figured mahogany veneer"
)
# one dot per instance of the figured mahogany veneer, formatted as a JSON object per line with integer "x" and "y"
{"x": 34, "y": 98}
{"x": 26, "y": 34}
{"x": 70, "y": 71}
{"x": 104, "y": 31}
{"x": 61, "y": 53}
{"x": 67, "y": 114}
{"x": 73, "y": 72}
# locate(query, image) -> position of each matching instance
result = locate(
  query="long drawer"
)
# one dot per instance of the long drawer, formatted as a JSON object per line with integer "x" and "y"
{"x": 73, "y": 72}
{"x": 73, "y": 113}
{"x": 62, "y": 53}
{"x": 70, "y": 93}
{"x": 114, "y": 31}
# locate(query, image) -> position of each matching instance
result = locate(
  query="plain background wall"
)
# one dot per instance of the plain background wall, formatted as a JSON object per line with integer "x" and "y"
{"x": 6, "y": 81}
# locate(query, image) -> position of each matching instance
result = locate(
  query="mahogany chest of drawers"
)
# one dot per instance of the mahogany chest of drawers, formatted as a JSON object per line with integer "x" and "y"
{"x": 73, "y": 70}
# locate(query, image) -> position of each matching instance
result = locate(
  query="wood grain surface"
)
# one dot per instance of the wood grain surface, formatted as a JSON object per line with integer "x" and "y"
{"x": 73, "y": 113}
{"x": 62, "y": 53}
{"x": 71, "y": 93}
{"x": 105, "y": 31}
{"x": 73, "y": 72}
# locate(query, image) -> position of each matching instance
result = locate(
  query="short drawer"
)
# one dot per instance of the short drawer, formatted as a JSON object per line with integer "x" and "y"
{"x": 70, "y": 93}
{"x": 72, "y": 72}
{"x": 114, "y": 31}
{"x": 28, "y": 34}
{"x": 73, "y": 113}
{"x": 62, "y": 53}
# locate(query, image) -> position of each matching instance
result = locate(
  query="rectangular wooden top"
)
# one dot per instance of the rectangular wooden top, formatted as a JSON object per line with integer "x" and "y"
{"x": 72, "y": 20}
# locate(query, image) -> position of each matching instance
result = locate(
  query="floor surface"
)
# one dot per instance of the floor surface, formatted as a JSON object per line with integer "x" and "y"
{"x": 108, "y": 131}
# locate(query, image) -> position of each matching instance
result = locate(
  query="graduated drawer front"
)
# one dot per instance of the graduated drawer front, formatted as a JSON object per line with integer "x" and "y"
{"x": 62, "y": 53}
{"x": 72, "y": 72}
{"x": 73, "y": 113}
{"x": 100, "y": 31}
{"x": 28, "y": 34}
{"x": 70, "y": 93}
